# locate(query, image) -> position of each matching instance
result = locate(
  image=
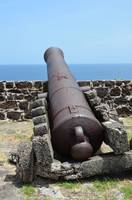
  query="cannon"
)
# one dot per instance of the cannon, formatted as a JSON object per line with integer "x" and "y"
{"x": 75, "y": 131}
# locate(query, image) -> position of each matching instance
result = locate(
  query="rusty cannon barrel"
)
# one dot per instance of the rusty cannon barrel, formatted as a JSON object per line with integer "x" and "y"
{"x": 75, "y": 131}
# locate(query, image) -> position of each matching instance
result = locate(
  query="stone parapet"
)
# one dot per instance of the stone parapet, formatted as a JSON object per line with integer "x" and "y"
{"x": 16, "y": 96}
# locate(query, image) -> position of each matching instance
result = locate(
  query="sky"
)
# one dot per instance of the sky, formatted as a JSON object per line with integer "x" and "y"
{"x": 88, "y": 31}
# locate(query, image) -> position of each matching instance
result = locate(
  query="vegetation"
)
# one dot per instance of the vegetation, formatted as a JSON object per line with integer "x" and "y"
{"x": 69, "y": 185}
{"x": 105, "y": 183}
{"x": 127, "y": 190}
{"x": 28, "y": 191}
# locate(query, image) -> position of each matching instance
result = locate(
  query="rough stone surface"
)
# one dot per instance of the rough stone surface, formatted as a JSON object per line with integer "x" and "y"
{"x": 41, "y": 129}
{"x": 102, "y": 92}
{"x": 107, "y": 164}
{"x": 116, "y": 136}
{"x": 23, "y": 84}
{"x": 38, "y": 103}
{"x": 25, "y": 168}
{"x": 8, "y": 105}
{"x": 2, "y": 86}
{"x": 2, "y": 97}
{"x": 91, "y": 94}
{"x": 42, "y": 95}
{"x": 9, "y": 84}
{"x": 13, "y": 157}
{"x": 14, "y": 115}
{"x": 40, "y": 119}
{"x": 115, "y": 93}
{"x": 38, "y": 111}
{"x": 2, "y": 116}
{"x": 43, "y": 150}
{"x": 23, "y": 105}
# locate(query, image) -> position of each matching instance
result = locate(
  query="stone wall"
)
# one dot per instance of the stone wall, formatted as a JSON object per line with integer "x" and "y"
{"x": 117, "y": 94}
{"x": 15, "y": 97}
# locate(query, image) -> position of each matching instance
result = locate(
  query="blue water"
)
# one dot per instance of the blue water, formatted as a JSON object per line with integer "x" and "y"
{"x": 80, "y": 71}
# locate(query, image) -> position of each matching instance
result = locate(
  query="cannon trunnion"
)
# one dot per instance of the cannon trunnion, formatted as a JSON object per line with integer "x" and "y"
{"x": 75, "y": 130}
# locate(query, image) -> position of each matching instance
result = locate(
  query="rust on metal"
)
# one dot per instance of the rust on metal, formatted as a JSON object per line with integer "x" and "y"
{"x": 75, "y": 131}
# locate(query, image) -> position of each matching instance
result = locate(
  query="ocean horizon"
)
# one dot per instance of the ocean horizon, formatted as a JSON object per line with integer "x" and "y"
{"x": 80, "y": 72}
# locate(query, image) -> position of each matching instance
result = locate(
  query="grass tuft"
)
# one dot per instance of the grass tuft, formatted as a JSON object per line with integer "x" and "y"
{"x": 69, "y": 185}
{"x": 105, "y": 183}
{"x": 28, "y": 191}
{"x": 127, "y": 190}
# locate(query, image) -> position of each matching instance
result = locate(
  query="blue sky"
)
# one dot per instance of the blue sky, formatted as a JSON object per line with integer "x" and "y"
{"x": 88, "y": 31}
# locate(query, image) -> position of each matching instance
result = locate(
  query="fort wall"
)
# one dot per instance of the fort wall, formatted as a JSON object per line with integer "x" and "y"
{"x": 16, "y": 96}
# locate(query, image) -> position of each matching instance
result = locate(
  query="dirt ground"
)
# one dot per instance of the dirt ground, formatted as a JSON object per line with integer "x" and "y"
{"x": 103, "y": 188}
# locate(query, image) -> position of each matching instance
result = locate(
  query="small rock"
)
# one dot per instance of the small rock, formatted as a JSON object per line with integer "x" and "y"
{"x": 54, "y": 193}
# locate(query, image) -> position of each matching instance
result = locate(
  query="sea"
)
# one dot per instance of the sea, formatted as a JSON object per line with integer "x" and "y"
{"x": 80, "y": 72}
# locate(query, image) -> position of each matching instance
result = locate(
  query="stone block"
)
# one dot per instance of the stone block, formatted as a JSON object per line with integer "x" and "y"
{"x": 125, "y": 91}
{"x": 124, "y": 110}
{"x": 19, "y": 96}
{"x": 90, "y": 94}
{"x": 2, "y": 116}
{"x": 8, "y": 104}
{"x": 95, "y": 102}
{"x": 14, "y": 115}
{"x": 119, "y": 82}
{"x": 84, "y": 83}
{"x": 92, "y": 167}
{"x": 116, "y": 136}
{"x": 9, "y": 84}
{"x": 17, "y": 91}
{"x": 120, "y": 100}
{"x": 43, "y": 150}
{"x": 40, "y": 119}
{"x": 38, "y": 84}
{"x": 38, "y": 111}
{"x": 115, "y": 91}
{"x": 28, "y": 97}
{"x": 38, "y": 103}
{"x": 45, "y": 86}
{"x": 41, "y": 129}
{"x": 106, "y": 164}
{"x": 23, "y": 84}
{"x": 129, "y": 87}
{"x": 102, "y": 112}
{"x": 2, "y": 97}
{"x": 42, "y": 95}
{"x": 130, "y": 102}
{"x": 2, "y": 86}
{"x": 25, "y": 163}
{"x": 101, "y": 91}
{"x": 23, "y": 105}
{"x": 110, "y": 83}
{"x": 98, "y": 83}
{"x": 10, "y": 97}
